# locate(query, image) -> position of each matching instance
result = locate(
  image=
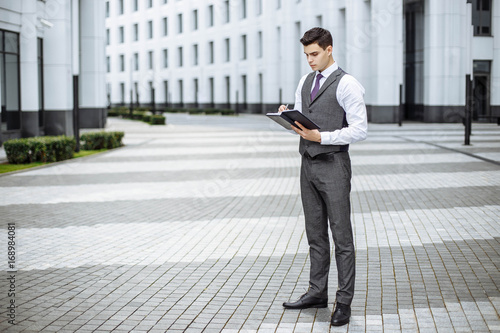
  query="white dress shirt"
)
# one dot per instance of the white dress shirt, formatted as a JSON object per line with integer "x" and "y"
{"x": 350, "y": 97}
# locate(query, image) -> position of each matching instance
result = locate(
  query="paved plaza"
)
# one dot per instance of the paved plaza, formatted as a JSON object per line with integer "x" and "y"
{"x": 197, "y": 226}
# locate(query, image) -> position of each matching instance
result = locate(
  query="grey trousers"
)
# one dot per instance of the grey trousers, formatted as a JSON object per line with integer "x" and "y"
{"x": 325, "y": 190}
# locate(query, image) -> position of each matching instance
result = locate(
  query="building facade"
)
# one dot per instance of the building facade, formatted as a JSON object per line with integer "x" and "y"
{"x": 44, "y": 44}
{"x": 246, "y": 54}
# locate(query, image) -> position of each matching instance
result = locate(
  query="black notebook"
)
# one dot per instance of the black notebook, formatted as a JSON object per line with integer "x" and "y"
{"x": 288, "y": 118}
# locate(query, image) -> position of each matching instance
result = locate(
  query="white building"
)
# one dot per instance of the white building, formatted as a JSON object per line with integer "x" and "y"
{"x": 43, "y": 44}
{"x": 246, "y": 54}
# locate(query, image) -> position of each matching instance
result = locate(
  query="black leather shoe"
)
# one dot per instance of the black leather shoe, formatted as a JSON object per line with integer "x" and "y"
{"x": 306, "y": 301}
{"x": 341, "y": 314}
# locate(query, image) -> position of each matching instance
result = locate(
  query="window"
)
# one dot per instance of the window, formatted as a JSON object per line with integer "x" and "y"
{"x": 228, "y": 90}
{"x": 108, "y": 65}
{"x": 195, "y": 19}
{"x": 150, "y": 3}
{"x": 211, "y": 52}
{"x": 211, "y": 15}
{"x": 167, "y": 93}
{"x": 150, "y": 60}
{"x": 226, "y": 11}
{"x": 181, "y": 93}
{"x": 195, "y": 54}
{"x": 261, "y": 90}
{"x": 259, "y": 7}
{"x": 136, "y": 5}
{"x": 243, "y": 47}
{"x": 108, "y": 93}
{"x": 228, "y": 49}
{"x": 319, "y": 21}
{"x": 195, "y": 92}
{"x": 165, "y": 58}
{"x": 212, "y": 91}
{"x": 481, "y": 17}
{"x": 136, "y": 61}
{"x": 165, "y": 26}
{"x": 107, "y": 37}
{"x": 481, "y": 90}
{"x": 179, "y": 21}
{"x": 41, "y": 107}
{"x": 107, "y": 8}
{"x": 150, "y": 29}
{"x": 120, "y": 7}
{"x": 260, "y": 46}
{"x": 151, "y": 92}
{"x": 122, "y": 35}
{"x": 122, "y": 93}
{"x": 243, "y": 9}
{"x": 136, "y": 32}
{"x": 278, "y": 4}
{"x": 122, "y": 63}
{"x": 180, "y": 56}
{"x": 136, "y": 87}
{"x": 244, "y": 90}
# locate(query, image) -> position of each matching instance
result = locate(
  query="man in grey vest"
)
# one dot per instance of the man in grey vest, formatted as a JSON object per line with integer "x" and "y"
{"x": 334, "y": 100}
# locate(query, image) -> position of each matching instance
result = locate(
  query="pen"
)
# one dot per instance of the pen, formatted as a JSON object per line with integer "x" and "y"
{"x": 286, "y": 107}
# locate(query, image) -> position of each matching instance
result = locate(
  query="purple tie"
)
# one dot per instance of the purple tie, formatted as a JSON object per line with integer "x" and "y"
{"x": 314, "y": 92}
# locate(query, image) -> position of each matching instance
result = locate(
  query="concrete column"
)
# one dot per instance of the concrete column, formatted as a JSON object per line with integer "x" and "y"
{"x": 29, "y": 69}
{"x": 386, "y": 30}
{"x": 443, "y": 61}
{"x": 495, "y": 64}
{"x": 358, "y": 42}
{"x": 92, "y": 64}
{"x": 339, "y": 34}
{"x": 57, "y": 69}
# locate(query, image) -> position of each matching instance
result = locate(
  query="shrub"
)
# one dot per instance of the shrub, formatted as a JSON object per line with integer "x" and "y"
{"x": 118, "y": 111}
{"x": 157, "y": 120}
{"x": 40, "y": 149}
{"x": 59, "y": 148}
{"x": 146, "y": 118}
{"x": 101, "y": 140}
{"x": 196, "y": 111}
{"x": 138, "y": 115}
{"x": 227, "y": 112}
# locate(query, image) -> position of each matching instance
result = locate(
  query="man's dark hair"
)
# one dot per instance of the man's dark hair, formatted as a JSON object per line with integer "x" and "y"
{"x": 317, "y": 35}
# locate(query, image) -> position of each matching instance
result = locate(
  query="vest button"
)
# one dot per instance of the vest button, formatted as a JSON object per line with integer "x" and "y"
{"x": 310, "y": 111}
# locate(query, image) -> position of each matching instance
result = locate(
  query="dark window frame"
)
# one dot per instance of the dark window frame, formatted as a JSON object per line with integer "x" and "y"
{"x": 481, "y": 17}
{"x": 41, "y": 106}
{"x": 4, "y": 79}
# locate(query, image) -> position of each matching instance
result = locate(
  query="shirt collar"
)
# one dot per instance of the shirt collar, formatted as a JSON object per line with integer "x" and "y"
{"x": 326, "y": 73}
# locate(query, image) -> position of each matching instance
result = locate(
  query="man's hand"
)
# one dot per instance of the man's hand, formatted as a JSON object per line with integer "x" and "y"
{"x": 282, "y": 108}
{"x": 311, "y": 135}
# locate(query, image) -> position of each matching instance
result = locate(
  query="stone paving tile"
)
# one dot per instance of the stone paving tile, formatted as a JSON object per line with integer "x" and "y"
{"x": 426, "y": 223}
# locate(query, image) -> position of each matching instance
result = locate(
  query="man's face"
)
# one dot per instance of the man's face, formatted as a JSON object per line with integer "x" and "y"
{"x": 317, "y": 58}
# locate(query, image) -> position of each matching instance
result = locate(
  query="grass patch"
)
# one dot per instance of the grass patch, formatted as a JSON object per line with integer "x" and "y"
{"x": 83, "y": 153}
{"x": 6, "y": 167}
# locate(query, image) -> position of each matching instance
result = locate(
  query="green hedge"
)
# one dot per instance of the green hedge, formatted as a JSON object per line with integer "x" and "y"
{"x": 157, "y": 120}
{"x": 39, "y": 149}
{"x": 138, "y": 115}
{"x": 101, "y": 140}
{"x": 118, "y": 111}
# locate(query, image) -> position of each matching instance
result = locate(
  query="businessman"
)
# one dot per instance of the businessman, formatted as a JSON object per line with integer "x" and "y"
{"x": 334, "y": 100}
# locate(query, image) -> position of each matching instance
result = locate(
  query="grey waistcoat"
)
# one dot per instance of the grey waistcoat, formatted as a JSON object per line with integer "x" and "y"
{"x": 325, "y": 111}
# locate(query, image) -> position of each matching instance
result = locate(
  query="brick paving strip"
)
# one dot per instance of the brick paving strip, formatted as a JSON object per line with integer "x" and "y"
{"x": 197, "y": 227}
